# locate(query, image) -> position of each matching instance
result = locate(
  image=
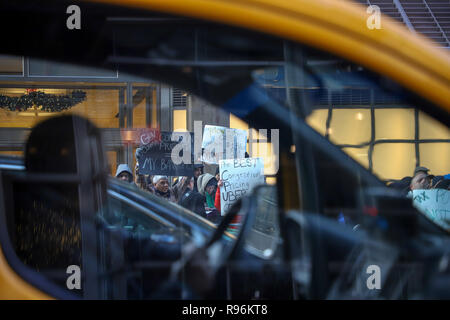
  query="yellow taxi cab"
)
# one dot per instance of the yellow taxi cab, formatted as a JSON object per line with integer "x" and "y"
{"x": 346, "y": 110}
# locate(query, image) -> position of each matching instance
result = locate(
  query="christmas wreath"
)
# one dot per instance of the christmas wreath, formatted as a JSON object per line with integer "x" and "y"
{"x": 42, "y": 101}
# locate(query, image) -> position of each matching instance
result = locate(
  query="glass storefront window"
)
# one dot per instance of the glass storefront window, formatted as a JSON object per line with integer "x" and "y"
{"x": 429, "y": 128}
{"x": 394, "y": 124}
{"x": 101, "y": 106}
{"x": 394, "y": 160}
{"x": 345, "y": 122}
{"x": 317, "y": 120}
{"x": 11, "y": 65}
{"x": 359, "y": 154}
{"x": 436, "y": 156}
{"x": 179, "y": 120}
{"x": 16, "y": 153}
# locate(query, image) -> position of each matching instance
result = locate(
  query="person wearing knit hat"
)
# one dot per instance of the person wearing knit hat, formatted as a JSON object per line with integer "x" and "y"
{"x": 162, "y": 189}
{"x": 207, "y": 184}
{"x": 421, "y": 179}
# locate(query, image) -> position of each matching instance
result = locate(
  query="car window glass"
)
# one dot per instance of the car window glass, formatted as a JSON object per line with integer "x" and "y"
{"x": 183, "y": 75}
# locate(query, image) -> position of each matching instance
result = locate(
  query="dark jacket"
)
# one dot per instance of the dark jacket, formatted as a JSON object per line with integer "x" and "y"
{"x": 194, "y": 201}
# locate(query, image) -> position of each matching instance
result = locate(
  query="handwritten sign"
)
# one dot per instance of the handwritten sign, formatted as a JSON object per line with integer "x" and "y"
{"x": 239, "y": 177}
{"x": 435, "y": 204}
{"x": 222, "y": 143}
{"x": 156, "y": 158}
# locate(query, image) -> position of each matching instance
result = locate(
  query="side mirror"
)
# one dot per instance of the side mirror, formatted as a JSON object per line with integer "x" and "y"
{"x": 263, "y": 237}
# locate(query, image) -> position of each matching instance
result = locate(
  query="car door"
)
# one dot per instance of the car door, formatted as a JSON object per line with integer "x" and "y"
{"x": 352, "y": 222}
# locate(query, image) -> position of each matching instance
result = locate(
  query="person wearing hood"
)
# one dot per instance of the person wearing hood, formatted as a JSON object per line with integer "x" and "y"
{"x": 124, "y": 173}
{"x": 191, "y": 199}
{"x": 207, "y": 186}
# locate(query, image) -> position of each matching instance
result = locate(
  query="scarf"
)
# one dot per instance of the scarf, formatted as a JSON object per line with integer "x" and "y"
{"x": 209, "y": 200}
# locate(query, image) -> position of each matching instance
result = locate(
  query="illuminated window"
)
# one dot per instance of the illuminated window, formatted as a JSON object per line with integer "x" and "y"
{"x": 429, "y": 128}
{"x": 258, "y": 146}
{"x": 394, "y": 160}
{"x": 11, "y": 65}
{"x": 318, "y": 120}
{"x": 350, "y": 126}
{"x": 237, "y": 123}
{"x": 435, "y": 156}
{"x": 394, "y": 124}
{"x": 101, "y": 106}
{"x": 411, "y": 138}
{"x": 112, "y": 161}
{"x": 359, "y": 154}
{"x": 179, "y": 120}
{"x": 16, "y": 153}
{"x": 139, "y": 108}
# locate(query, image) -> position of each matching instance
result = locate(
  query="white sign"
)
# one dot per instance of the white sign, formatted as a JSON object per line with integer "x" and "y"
{"x": 435, "y": 204}
{"x": 221, "y": 143}
{"x": 239, "y": 177}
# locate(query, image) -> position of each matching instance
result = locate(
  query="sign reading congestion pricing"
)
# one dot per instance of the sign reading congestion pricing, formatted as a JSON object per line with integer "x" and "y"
{"x": 435, "y": 204}
{"x": 239, "y": 177}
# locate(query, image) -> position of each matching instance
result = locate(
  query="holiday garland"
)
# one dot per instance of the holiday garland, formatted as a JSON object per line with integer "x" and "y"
{"x": 42, "y": 101}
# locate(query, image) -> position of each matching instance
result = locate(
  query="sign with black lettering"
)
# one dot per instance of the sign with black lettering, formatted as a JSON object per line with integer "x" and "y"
{"x": 239, "y": 177}
{"x": 157, "y": 158}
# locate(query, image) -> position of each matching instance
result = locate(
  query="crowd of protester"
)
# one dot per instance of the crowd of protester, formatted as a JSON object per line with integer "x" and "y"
{"x": 421, "y": 179}
{"x": 199, "y": 193}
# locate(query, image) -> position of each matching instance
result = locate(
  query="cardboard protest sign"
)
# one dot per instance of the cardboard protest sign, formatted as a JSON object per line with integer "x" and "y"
{"x": 222, "y": 143}
{"x": 157, "y": 158}
{"x": 239, "y": 177}
{"x": 435, "y": 204}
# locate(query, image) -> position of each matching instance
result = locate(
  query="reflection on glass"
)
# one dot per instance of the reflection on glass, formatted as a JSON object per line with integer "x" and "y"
{"x": 11, "y": 65}
{"x": 394, "y": 124}
{"x": 394, "y": 160}
{"x": 179, "y": 120}
{"x": 429, "y": 128}
{"x": 359, "y": 154}
{"x": 318, "y": 120}
{"x": 435, "y": 156}
{"x": 350, "y": 126}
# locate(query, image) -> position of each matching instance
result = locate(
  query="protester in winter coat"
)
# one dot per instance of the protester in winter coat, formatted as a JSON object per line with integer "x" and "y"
{"x": 401, "y": 185}
{"x": 192, "y": 200}
{"x": 140, "y": 179}
{"x": 207, "y": 185}
{"x": 439, "y": 182}
{"x": 181, "y": 186}
{"x": 421, "y": 179}
{"x": 162, "y": 189}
